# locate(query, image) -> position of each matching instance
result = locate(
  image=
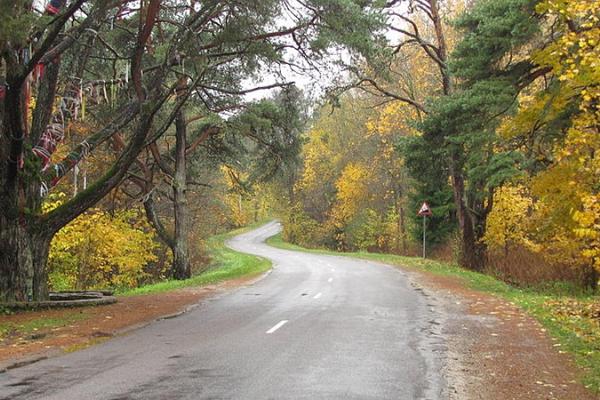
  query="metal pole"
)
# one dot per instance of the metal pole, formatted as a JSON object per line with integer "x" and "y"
{"x": 424, "y": 218}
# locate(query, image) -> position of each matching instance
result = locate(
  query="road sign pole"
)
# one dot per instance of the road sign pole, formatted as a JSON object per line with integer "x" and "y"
{"x": 424, "y": 211}
{"x": 424, "y": 227}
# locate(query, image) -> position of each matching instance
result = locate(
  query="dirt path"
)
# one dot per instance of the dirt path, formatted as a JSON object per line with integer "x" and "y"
{"x": 496, "y": 350}
{"x": 74, "y": 328}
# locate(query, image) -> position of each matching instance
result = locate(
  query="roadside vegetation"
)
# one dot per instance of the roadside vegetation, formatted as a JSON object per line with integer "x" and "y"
{"x": 36, "y": 328}
{"x": 489, "y": 112}
{"x": 132, "y": 133}
{"x": 569, "y": 313}
{"x": 226, "y": 264}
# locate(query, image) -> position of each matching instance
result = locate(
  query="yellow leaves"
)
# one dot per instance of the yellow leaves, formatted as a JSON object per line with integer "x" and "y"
{"x": 318, "y": 157}
{"x": 564, "y": 212}
{"x": 567, "y": 192}
{"x": 392, "y": 120}
{"x": 99, "y": 249}
{"x": 507, "y": 223}
{"x": 535, "y": 110}
{"x": 574, "y": 58}
{"x": 588, "y": 229}
{"x": 574, "y": 55}
{"x": 54, "y": 200}
{"x": 352, "y": 192}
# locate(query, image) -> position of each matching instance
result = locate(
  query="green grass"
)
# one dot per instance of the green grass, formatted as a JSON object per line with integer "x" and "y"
{"x": 226, "y": 264}
{"x": 559, "y": 313}
{"x": 8, "y": 329}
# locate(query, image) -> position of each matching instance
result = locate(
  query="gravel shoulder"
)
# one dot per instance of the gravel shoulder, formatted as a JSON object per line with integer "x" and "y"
{"x": 495, "y": 349}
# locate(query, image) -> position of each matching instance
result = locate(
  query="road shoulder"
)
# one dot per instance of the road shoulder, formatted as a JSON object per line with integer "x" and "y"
{"x": 495, "y": 349}
{"x": 78, "y": 328}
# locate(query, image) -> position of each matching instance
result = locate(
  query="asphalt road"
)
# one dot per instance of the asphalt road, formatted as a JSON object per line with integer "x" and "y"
{"x": 317, "y": 327}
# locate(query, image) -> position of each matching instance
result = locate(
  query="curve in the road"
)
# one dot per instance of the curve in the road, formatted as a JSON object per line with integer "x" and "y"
{"x": 317, "y": 327}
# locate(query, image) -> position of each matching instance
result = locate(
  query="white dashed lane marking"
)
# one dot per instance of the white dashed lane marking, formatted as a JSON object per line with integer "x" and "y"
{"x": 279, "y": 325}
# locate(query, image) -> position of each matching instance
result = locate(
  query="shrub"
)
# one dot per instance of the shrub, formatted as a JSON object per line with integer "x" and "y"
{"x": 99, "y": 249}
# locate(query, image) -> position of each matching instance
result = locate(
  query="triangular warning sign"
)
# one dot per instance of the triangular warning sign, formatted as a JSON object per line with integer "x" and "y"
{"x": 425, "y": 210}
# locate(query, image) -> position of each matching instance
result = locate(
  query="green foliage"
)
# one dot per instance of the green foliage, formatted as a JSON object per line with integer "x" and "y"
{"x": 459, "y": 139}
{"x": 427, "y": 164}
{"x": 357, "y": 24}
{"x": 226, "y": 264}
{"x": 265, "y": 137}
{"x": 301, "y": 228}
{"x": 492, "y": 29}
{"x": 16, "y": 22}
{"x": 370, "y": 231}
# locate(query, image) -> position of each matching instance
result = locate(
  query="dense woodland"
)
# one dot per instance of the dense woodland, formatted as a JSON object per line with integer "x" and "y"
{"x": 488, "y": 111}
{"x": 132, "y": 131}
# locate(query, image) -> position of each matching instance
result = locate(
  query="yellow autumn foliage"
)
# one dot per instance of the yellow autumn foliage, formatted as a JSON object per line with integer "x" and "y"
{"x": 588, "y": 229}
{"x": 564, "y": 218}
{"x": 100, "y": 249}
{"x": 569, "y": 193}
{"x": 507, "y": 223}
{"x": 318, "y": 158}
{"x": 352, "y": 192}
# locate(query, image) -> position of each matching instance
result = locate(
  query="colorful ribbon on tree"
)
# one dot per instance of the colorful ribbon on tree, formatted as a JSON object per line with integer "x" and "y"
{"x": 55, "y": 131}
{"x": 54, "y": 6}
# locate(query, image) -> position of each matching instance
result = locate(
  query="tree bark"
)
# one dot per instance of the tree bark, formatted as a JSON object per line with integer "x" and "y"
{"x": 23, "y": 256}
{"x": 154, "y": 220}
{"x": 402, "y": 228}
{"x": 589, "y": 277}
{"x": 469, "y": 252}
{"x": 181, "y": 262}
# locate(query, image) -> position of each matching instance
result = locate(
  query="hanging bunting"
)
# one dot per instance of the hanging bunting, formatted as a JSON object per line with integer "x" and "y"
{"x": 104, "y": 91}
{"x": 38, "y": 72}
{"x": 44, "y": 189}
{"x": 72, "y": 106}
{"x": 82, "y": 107}
{"x": 54, "y": 6}
{"x": 55, "y": 131}
{"x": 113, "y": 95}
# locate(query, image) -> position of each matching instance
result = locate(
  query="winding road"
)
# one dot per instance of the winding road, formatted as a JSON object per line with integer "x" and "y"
{"x": 316, "y": 327}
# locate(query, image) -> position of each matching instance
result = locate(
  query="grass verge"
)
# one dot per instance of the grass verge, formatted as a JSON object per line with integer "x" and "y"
{"x": 29, "y": 329}
{"x": 226, "y": 264}
{"x": 573, "y": 318}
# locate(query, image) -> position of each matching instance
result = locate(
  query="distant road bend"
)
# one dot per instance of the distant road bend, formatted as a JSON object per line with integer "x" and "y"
{"x": 317, "y": 327}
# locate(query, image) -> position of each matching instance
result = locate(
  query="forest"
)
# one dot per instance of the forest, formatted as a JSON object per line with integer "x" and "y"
{"x": 489, "y": 112}
{"x": 133, "y": 131}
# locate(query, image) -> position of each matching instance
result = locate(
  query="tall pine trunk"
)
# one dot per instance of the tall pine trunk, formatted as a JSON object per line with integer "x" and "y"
{"x": 181, "y": 262}
{"x": 471, "y": 252}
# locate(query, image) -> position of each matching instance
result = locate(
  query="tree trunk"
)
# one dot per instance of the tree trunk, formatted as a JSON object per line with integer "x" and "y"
{"x": 21, "y": 239}
{"x": 402, "y": 227}
{"x": 181, "y": 262}
{"x": 441, "y": 44}
{"x": 589, "y": 277}
{"x": 256, "y": 206}
{"x": 154, "y": 220}
{"x": 470, "y": 250}
{"x": 23, "y": 257}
